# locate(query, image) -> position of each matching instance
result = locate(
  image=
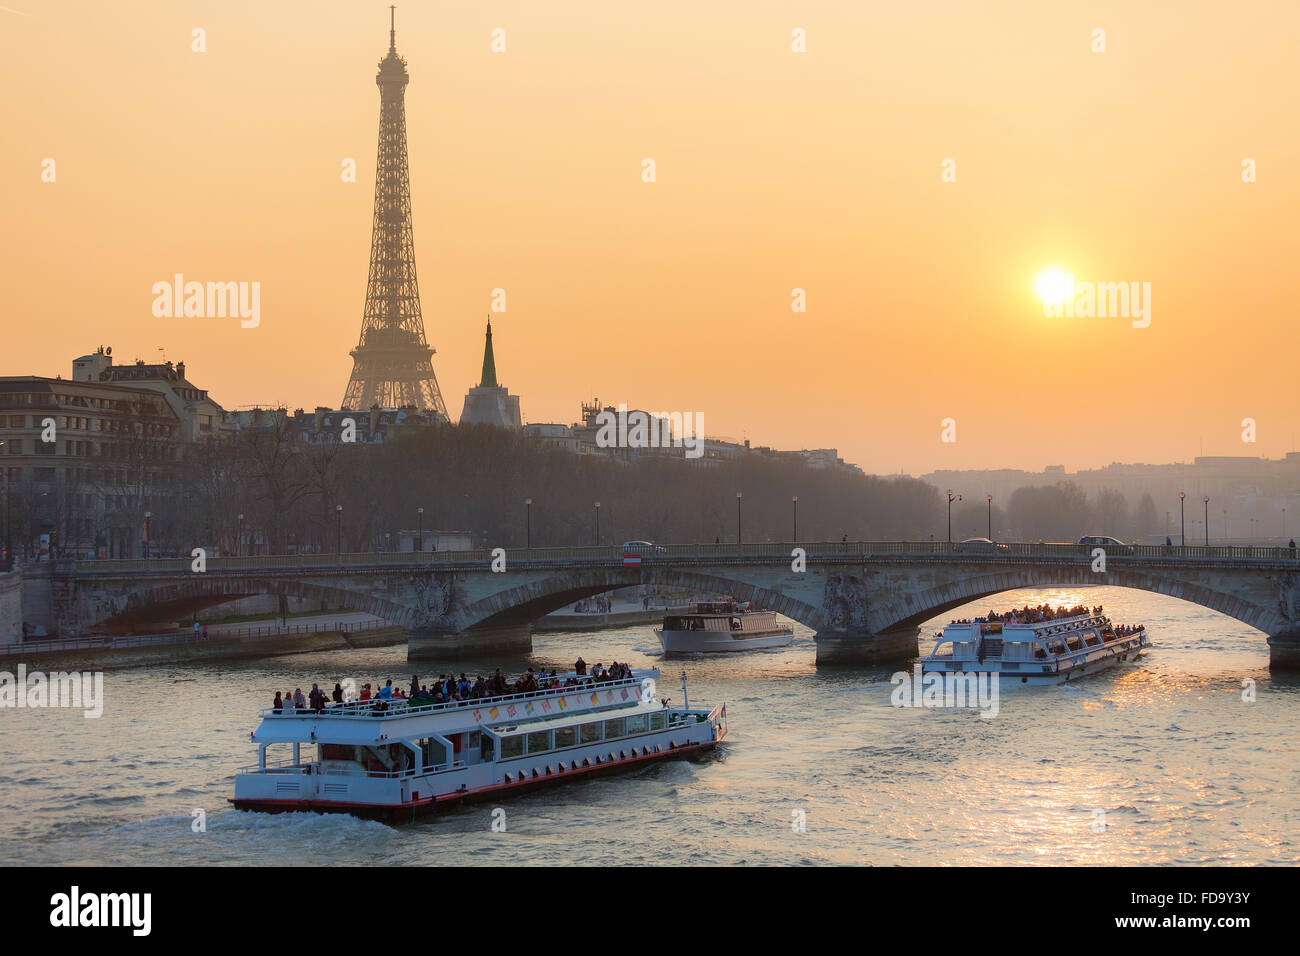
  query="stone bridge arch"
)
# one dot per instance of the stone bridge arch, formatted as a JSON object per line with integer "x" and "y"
{"x": 528, "y": 602}
{"x": 149, "y": 604}
{"x": 913, "y": 607}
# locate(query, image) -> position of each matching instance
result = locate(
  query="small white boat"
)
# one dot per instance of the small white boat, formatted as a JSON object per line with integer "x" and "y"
{"x": 714, "y": 626}
{"x": 1052, "y": 651}
{"x": 396, "y": 759}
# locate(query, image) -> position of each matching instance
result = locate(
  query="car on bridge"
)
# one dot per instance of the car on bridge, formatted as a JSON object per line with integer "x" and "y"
{"x": 1107, "y": 543}
{"x": 980, "y": 545}
{"x": 642, "y": 547}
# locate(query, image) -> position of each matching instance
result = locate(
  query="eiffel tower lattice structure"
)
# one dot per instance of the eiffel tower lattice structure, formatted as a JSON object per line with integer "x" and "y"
{"x": 393, "y": 363}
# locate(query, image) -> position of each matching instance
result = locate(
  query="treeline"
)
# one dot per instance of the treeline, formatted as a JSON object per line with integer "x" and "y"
{"x": 478, "y": 479}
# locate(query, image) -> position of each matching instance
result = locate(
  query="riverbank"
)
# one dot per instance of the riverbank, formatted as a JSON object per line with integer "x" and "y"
{"x": 186, "y": 648}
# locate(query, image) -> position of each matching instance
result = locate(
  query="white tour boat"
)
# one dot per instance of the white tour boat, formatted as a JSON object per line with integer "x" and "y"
{"x": 392, "y": 759}
{"x": 1051, "y": 651}
{"x": 721, "y": 626}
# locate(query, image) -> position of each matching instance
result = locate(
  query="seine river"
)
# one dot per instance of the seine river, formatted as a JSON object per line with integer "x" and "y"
{"x": 1183, "y": 769}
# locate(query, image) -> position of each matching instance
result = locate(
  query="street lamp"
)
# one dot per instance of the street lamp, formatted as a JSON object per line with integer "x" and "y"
{"x": 951, "y": 498}
{"x": 8, "y": 544}
{"x": 598, "y": 524}
{"x": 147, "y": 516}
{"x": 989, "y": 499}
{"x": 795, "y": 501}
{"x": 1182, "y": 518}
{"x": 338, "y": 529}
{"x": 529, "y": 503}
{"x": 739, "y": 539}
{"x": 419, "y": 517}
{"x": 239, "y": 549}
{"x": 1206, "y": 499}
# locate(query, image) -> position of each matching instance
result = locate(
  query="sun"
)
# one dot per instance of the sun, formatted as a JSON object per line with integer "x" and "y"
{"x": 1054, "y": 286}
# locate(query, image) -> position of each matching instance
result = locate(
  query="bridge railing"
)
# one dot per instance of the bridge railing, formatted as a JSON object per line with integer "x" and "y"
{"x": 614, "y": 555}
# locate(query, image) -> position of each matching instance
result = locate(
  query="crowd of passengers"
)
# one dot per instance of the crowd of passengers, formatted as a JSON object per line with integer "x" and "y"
{"x": 448, "y": 688}
{"x": 1034, "y": 615}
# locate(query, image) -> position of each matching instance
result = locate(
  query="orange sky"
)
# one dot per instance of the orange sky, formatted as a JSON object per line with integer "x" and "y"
{"x": 775, "y": 170}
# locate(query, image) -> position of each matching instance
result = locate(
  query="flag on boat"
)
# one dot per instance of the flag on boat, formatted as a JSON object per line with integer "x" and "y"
{"x": 528, "y": 708}
{"x": 595, "y": 699}
{"x": 493, "y": 712}
{"x": 563, "y": 702}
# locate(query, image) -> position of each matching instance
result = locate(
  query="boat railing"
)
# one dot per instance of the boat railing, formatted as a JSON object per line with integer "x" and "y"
{"x": 403, "y": 707}
{"x": 307, "y": 768}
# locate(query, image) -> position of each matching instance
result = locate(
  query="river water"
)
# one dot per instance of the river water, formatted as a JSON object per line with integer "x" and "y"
{"x": 1183, "y": 768}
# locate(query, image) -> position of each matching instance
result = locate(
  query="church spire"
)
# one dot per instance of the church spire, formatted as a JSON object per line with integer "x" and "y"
{"x": 489, "y": 379}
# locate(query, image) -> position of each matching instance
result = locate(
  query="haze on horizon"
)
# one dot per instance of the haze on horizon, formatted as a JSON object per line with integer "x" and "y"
{"x": 775, "y": 170}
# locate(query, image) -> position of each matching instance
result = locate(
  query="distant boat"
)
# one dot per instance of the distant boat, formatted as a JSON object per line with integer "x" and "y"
{"x": 1052, "y": 651}
{"x": 721, "y": 626}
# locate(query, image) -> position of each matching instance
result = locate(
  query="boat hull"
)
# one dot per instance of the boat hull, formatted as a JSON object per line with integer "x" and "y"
{"x": 1067, "y": 676}
{"x": 406, "y": 812}
{"x": 719, "y": 642}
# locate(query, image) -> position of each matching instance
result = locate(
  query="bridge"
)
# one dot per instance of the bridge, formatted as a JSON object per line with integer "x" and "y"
{"x": 864, "y": 600}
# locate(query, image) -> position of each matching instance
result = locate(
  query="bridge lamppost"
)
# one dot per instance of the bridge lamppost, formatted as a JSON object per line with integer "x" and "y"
{"x": 795, "y": 501}
{"x": 951, "y": 498}
{"x": 1182, "y": 518}
{"x": 147, "y": 516}
{"x": 529, "y": 529}
{"x": 419, "y": 524}
{"x": 989, "y": 499}
{"x": 739, "y": 539}
{"x": 597, "y": 509}
{"x": 338, "y": 529}
{"x": 239, "y": 550}
{"x": 1206, "y": 499}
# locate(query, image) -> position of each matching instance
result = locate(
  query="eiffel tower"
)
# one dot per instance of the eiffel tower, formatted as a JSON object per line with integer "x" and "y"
{"x": 392, "y": 363}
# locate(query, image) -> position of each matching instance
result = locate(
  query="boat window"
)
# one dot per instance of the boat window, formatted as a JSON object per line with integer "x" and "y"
{"x": 615, "y": 728}
{"x": 512, "y": 746}
{"x": 657, "y": 720}
{"x": 591, "y": 732}
{"x": 336, "y": 752}
{"x": 539, "y": 741}
{"x": 637, "y": 725}
{"x": 486, "y": 747}
{"x": 673, "y": 623}
{"x": 565, "y": 736}
{"x": 433, "y": 752}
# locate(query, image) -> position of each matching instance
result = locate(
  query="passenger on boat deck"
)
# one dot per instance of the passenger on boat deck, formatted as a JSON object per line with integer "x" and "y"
{"x": 415, "y": 685}
{"x": 386, "y": 692}
{"x": 580, "y": 668}
{"x": 277, "y": 705}
{"x": 365, "y": 691}
{"x": 299, "y": 701}
{"x": 338, "y": 693}
{"x": 316, "y": 698}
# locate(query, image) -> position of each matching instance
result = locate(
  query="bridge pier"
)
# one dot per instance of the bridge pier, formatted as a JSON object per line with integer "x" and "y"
{"x": 510, "y": 640}
{"x": 867, "y": 649}
{"x": 1284, "y": 652}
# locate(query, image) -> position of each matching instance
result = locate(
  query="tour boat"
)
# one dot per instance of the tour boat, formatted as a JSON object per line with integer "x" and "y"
{"x": 391, "y": 760}
{"x": 721, "y": 626}
{"x": 1047, "y": 652}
